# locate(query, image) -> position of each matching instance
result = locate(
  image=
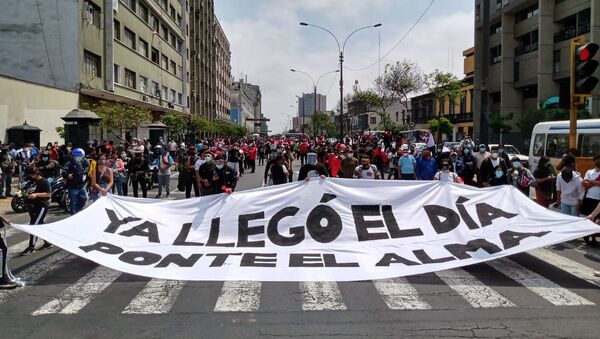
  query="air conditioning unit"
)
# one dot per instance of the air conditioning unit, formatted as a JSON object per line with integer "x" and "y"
{"x": 144, "y": 97}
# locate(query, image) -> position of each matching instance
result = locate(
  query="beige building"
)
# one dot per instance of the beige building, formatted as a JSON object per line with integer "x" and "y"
{"x": 202, "y": 58}
{"x": 222, "y": 73}
{"x": 522, "y": 57}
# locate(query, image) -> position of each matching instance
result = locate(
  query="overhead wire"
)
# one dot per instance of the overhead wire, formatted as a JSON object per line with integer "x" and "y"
{"x": 398, "y": 43}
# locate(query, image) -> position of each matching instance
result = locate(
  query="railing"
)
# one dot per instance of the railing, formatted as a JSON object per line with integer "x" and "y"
{"x": 571, "y": 32}
{"x": 526, "y": 49}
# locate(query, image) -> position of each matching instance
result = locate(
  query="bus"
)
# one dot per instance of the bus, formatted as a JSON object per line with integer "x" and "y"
{"x": 552, "y": 140}
{"x": 418, "y": 136}
{"x": 292, "y": 136}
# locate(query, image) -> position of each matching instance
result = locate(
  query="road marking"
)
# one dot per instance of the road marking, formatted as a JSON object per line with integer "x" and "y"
{"x": 585, "y": 250}
{"x": 78, "y": 295}
{"x": 16, "y": 249}
{"x": 239, "y": 296}
{"x": 35, "y": 273}
{"x": 472, "y": 289}
{"x": 321, "y": 295}
{"x": 539, "y": 285}
{"x": 566, "y": 264}
{"x": 157, "y": 297}
{"x": 10, "y": 231}
{"x": 399, "y": 294}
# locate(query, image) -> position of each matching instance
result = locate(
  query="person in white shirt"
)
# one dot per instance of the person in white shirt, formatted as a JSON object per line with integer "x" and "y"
{"x": 365, "y": 170}
{"x": 591, "y": 182}
{"x": 445, "y": 175}
{"x": 569, "y": 191}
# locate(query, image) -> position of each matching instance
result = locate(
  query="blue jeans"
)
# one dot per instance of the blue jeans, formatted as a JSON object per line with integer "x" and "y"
{"x": 118, "y": 183}
{"x": 96, "y": 195}
{"x": 568, "y": 209}
{"x": 5, "y": 182}
{"x": 78, "y": 197}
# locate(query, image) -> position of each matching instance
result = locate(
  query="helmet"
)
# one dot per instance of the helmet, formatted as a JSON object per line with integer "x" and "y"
{"x": 46, "y": 153}
{"x": 78, "y": 152}
{"x": 158, "y": 147}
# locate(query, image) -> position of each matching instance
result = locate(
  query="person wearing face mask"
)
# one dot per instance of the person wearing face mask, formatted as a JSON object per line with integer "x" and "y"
{"x": 426, "y": 166}
{"x": 591, "y": 182}
{"x": 164, "y": 162}
{"x": 456, "y": 162}
{"x": 544, "y": 178}
{"x": 502, "y": 153}
{"x": 467, "y": 142}
{"x": 74, "y": 174}
{"x": 520, "y": 177}
{"x": 569, "y": 190}
{"x": 25, "y": 160}
{"x": 278, "y": 172}
{"x": 312, "y": 168}
{"x": 7, "y": 168}
{"x": 366, "y": 170}
{"x": 118, "y": 167}
{"x": 499, "y": 177}
{"x": 481, "y": 155}
{"x": 190, "y": 180}
{"x": 393, "y": 171}
{"x": 467, "y": 174}
{"x": 50, "y": 169}
{"x": 407, "y": 165}
{"x": 138, "y": 167}
{"x": 216, "y": 177}
{"x": 445, "y": 175}
{"x": 233, "y": 158}
{"x": 349, "y": 163}
{"x": 486, "y": 171}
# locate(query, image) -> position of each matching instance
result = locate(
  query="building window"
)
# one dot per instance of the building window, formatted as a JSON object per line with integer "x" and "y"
{"x": 179, "y": 98}
{"x": 129, "y": 78}
{"x": 154, "y": 55}
{"x": 164, "y": 92}
{"x": 496, "y": 97}
{"x": 143, "y": 84}
{"x": 155, "y": 89}
{"x": 179, "y": 20}
{"x": 93, "y": 13}
{"x": 530, "y": 92}
{"x": 496, "y": 28}
{"x": 164, "y": 32}
{"x": 529, "y": 43}
{"x": 517, "y": 72}
{"x": 165, "y": 4}
{"x": 556, "y": 62}
{"x": 143, "y": 12}
{"x": 463, "y": 104}
{"x": 155, "y": 25}
{"x": 373, "y": 120}
{"x": 164, "y": 62}
{"x": 527, "y": 13}
{"x": 116, "y": 30}
{"x": 172, "y": 12}
{"x": 172, "y": 97}
{"x": 143, "y": 48}
{"x": 130, "y": 4}
{"x": 92, "y": 64}
{"x": 173, "y": 68}
{"x": 129, "y": 38}
{"x": 496, "y": 54}
{"x": 173, "y": 40}
{"x": 116, "y": 73}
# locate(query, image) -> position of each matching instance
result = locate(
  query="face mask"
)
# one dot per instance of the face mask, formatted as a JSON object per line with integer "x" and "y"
{"x": 494, "y": 156}
{"x": 44, "y": 158}
{"x": 466, "y": 152}
{"x": 123, "y": 155}
{"x": 567, "y": 174}
{"x": 311, "y": 161}
{"x": 207, "y": 159}
{"x": 219, "y": 166}
{"x": 78, "y": 159}
{"x": 482, "y": 150}
{"x": 445, "y": 168}
{"x": 405, "y": 154}
{"x": 499, "y": 174}
{"x": 516, "y": 164}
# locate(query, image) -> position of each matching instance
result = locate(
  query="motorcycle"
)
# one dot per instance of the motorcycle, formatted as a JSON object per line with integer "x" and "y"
{"x": 19, "y": 202}
{"x": 59, "y": 193}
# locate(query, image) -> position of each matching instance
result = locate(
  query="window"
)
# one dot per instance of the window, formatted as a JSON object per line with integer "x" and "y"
{"x": 496, "y": 28}
{"x": 530, "y": 92}
{"x": 155, "y": 89}
{"x": 143, "y": 12}
{"x": 155, "y": 25}
{"x": 179, "y": 98}
{"x": 129, "y": 38}
{"x": 557, "y": 145}
{"x": 165, "y": 4}
{"x": 91, "y": 63}
{"x": 589, "y": 144}
{"x": 143, "y": 84}
{"x": 116, "y": 73}
{"x": 373, "y": 120}
{"x": 527, "y": 13}
{"x": 164, "y": 32}
{"x": 154, "y": 55}
{"x": 463, "y": 104}
{"x": 539, "y": 145}
{"x": 172, "y": 96}
{"x": 143, "y": 48}
{"x": 516, "y": 72}
{"x": 173, "y": 40}
{"x": 498, "y": 4}
{"x": 130, "y": 4}
{"x": 93, "y": 14}
{"x": 179, "y": 21}
{"x": 164, "y": 92}
{"x": 556, "y": 62}
{"x": 172, "y": 12}
{"x": 173, "y": 68}
{"x": 496, "y": 54}
{"x": 129, "y": 78}
{"x": 528, "y": 43}
{"x": 164, "y": 62}
{"x": 496, "y": 97}
{"x": 116, "y": 30}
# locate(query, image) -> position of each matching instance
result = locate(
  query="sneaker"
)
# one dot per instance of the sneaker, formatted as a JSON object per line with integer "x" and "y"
{"x": 157, "y": 196}
{"x": 2, "y": 196}
{"x": 28, "y": 251}
{"x": 46, "y": 245}
{"x": 9, "y": 195}
{"x": 168, "y": 195}
{"x": 597, "y": 273}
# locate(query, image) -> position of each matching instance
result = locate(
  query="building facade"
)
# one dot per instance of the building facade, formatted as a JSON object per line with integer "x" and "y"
{"x": 246, "y": 101}
{"x": 522, "y": 52}
{"x": 306, "y": 104}
{"x": 223, "y": 74}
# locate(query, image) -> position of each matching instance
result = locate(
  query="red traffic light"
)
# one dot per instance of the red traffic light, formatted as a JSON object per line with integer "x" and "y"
{"x": 586, "y": 52}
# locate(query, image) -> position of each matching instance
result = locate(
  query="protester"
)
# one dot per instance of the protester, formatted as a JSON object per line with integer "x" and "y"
{"x": 569, "y": 190}
{"x": 407, "y": 165}
{"x": 74, "y": 173}
{"x": 7, "y": 169}
{"x": 544, "y": 179}
{"x": 426, "y": 166}
{"x": 486, "y": 171}
{"x": 348, "y": 164}
{"x": 102, "y": 180}
{"x": 520, "y": 177}
{"x": 312, "y": 168}
{"x": 49, "y": 169}
{"x": 278, "y": 172}
{"x": 164, "y": 163}
{"x": 499, "y": 178}
{"x": 366, "y": 170}
{"x": 138, "y": 168}
{"x": 39, "y": 201}
{"x": 592, "y": 184}
{"x": 445, "y": 175}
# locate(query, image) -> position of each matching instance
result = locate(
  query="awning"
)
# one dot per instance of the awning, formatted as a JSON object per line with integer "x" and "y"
{"x": 25, "y": 127}
{"x": 106, "y": 95}
{"x": 551, "y": 102}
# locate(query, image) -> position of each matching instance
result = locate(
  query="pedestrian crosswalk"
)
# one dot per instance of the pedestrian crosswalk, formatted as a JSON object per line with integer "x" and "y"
{"x": 74, "y": 293}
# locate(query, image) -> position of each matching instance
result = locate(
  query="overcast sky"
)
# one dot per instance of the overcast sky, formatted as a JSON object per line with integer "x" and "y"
{"x": 267, "y": 40}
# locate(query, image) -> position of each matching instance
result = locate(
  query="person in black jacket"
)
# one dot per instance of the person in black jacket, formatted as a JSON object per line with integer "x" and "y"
{"x": 216, "y": 177}
{"x": 138, "y": 167}
{"x": 39, "y": 200}
{"x": 278, "y": 172}
{"x": 488, "y": 165}
{"x": 312, "y": 168}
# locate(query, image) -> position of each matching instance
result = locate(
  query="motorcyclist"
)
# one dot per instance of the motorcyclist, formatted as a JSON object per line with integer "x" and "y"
{"x": 138, "y": 168}
{"x": 74, "y": 173}
{"x": 50, "y": 169}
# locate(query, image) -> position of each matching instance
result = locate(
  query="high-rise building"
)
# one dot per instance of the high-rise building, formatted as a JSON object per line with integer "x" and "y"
{"x": 522, "y": 52}
{"x": 202, "y": 59}
{"x": 246, "y": 102}
{"x": 306, "y": 104}
{"x": 130, "y": 51}
{"x": 223, "y": 73}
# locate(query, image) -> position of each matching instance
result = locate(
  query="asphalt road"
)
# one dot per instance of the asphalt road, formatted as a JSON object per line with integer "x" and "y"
{"x": 546, "y": 293}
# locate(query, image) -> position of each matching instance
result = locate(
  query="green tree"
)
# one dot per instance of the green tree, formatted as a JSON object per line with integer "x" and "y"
{"x": 528, "y": 121}
{"x": 176, "y": 123}
{"x": 370, "y": 98}
{"x": 445, "y": 86}
{"x": 61, "y": 131}
{"x": 498, "y": 122}
{"x": 399, "y": 81}
{"x": 320, "y": 122}
{"x": 442, "y": 125}
{"x": 199, "y": 123}
{"x": 120, "y": 117}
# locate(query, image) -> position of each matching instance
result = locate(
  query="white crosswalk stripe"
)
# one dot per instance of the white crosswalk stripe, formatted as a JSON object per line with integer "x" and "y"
{"x": 34, "y": 274}
{"x": 399, "y": 294}
{"x": 239, "y": 296}
{"x": 570, "y": 266}
{"x": 473, "y": 290}
{"x": 16, "y": 249}
{"x": 321, "y": 295}
{"x": 156, "y": 298}
{"x": 78, "y": 295}
{"x": 539, "y": 285}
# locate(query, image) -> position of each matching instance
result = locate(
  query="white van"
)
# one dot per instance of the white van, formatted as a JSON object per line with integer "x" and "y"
{"x": 552, "y": 140}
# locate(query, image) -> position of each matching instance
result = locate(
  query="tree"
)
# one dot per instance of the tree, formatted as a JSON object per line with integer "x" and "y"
{"x": 120, "y": 117}
{"x": 61, "y": 131}
{"x": 176, "y": 123}
{"x": 399, "y": 81}
{"x": 444, "y": 85}
{"x": 529, "y": 120}
{"x": 370, "y": 98}
{"x": 320, "y": 122}
{"x": 441, "y": 125}
{"x": 498, "y": 123}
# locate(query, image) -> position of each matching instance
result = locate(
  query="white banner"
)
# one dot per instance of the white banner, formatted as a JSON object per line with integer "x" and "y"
{"x": 322, "y": 230}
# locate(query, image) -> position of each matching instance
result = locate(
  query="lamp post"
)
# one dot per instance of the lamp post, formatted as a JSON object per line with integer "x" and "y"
{"x": 315, "y": 84}
{"x": 341, "y": 53}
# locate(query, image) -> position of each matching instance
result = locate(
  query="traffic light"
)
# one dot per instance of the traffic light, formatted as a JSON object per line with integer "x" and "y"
{"x": 585, "y": 66}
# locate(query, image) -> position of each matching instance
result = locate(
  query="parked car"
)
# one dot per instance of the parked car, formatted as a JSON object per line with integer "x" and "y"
{"x": 511, "y": 151}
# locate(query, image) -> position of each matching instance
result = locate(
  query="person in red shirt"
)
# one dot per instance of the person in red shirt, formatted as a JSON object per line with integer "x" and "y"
{"x": 252, "y": 158}
{"x": 303, "y": 150}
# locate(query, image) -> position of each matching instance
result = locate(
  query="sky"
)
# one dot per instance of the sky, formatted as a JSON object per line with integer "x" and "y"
{"x": 267, "y": 41}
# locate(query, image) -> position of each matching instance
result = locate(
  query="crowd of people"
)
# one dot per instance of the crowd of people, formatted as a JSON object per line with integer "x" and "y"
{"x": 214, "y": 165}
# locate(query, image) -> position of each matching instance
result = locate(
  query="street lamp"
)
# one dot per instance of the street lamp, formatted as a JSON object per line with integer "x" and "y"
{"x": 341, "y": 52}
{"x": 315, "y": 84}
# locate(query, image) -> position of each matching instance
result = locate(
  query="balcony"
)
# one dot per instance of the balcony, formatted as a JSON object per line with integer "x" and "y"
{"x": 461, "y": 117}
{"x": 526, "y": 49}
{"x": 571, "y": 32}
